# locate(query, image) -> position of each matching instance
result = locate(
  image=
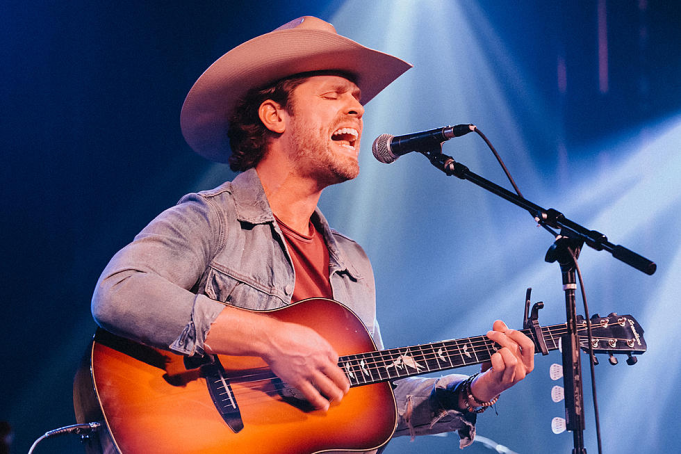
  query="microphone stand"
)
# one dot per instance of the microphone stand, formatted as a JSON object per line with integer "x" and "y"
{"x": 550, "y": 217}
{"x": 565, "y": 251}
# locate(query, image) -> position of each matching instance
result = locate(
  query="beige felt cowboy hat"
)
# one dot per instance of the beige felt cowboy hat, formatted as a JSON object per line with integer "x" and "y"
{"x": 302, "y": 45}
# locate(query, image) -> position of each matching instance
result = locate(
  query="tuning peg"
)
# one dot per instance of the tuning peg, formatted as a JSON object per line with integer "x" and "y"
{"x": 613, "y": 314}
{"x": 631, "y": 360}
{"x": 557, "y": 393}
{"x": 556, "y": 371}
{"x": 595, "y": 317}
{"x": 612, "y": 359}
{"x": 558, "y": 425}
{"x": 595, "y": 360}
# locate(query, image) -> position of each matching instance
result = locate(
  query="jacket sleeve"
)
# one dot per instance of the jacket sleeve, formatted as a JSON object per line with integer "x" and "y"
{"x": 145, "y": 294}
{"x": 421, "y": 406}
{"x": 421, "y": 410}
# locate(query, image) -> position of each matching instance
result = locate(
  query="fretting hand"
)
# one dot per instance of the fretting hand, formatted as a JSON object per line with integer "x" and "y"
{"x": 508, "y": 365}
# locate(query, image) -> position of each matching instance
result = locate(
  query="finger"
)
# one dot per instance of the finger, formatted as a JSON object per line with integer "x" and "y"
{"x": 487, "y": 365}
{"x": 328, "y": 388}
{"x": 500, "y": 326}
{"x": 338, "y": 377}
{"x": 498, "y": 367}
{"x": 504, "y": 340}
{"x": 526, "y": 348}
{"x": 511, "y": 372}
{"x": 313, "y": 396}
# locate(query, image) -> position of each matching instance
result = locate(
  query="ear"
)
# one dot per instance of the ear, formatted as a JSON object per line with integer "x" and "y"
{"x": 273, "y": 116}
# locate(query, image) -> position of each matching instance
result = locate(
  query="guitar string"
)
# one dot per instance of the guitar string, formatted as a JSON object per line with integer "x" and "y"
{"x": 428, "y": 354}
{"x": 251, "y": 384}
{"x": 383, "y": 356}
{"x": 452, "y": 346}
{"x": 252, "y": 395}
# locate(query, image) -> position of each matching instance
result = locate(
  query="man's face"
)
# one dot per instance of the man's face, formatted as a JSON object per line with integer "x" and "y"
{"x": 325, "y": 127}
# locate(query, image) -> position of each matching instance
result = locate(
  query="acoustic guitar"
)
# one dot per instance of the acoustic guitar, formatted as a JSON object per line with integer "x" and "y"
{"x": 155, "y": 401}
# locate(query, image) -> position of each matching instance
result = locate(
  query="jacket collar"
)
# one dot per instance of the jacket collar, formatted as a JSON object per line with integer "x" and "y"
{"x": 252, "y": 207}
{"x": 250, "y": 200}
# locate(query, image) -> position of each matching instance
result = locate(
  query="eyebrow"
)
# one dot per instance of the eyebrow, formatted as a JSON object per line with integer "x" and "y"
{"x": 348, "y": 86}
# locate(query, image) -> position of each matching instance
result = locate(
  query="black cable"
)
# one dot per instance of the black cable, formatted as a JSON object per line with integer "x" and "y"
{"x": 79, "y": 429}
{"x": 510, "y": 178}
{"x": 581, "y": 285}
{"x": 503, "y": 166}
{"x": 592, "y": 356}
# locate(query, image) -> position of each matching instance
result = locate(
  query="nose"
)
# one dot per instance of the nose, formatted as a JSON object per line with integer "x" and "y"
{"x": 355, "y": 107}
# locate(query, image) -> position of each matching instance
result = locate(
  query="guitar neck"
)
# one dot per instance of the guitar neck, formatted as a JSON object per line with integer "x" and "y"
{"x": 379, "y": 366}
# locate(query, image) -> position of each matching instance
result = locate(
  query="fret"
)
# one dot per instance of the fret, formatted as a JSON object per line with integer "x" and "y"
{"x": 452, "y": 348}
{"x": 412, "y": 364}
{"x": 442, "y": 357}
{"x": 461, "y": 352}
{"x": 366, "y": 372}
{"x": 384, "y": 365}
{"x": 375, "y": 367}
{"x": 487, "y": 345}
{"x": 424, "y": 357}
{"x": 391, "y": 364}
{"x": 547, "y": 339}
{"x": 467, "y": 349}
{"x": 378, "y": 366}
{"x": 351, "y": 369}
{"x": 398, "y": 365}
{"x": 530, "y": 334}
{"x": 346, "y": 365}
{"x": 553, "y": 340}
{"x": 357, "y": 369}
{"x": 405, "y": 364}
{"x": 475, "y": 350}
{"x": 489, "y": 353}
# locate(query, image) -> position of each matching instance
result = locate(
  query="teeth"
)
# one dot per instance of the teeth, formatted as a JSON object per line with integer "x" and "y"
{"x": 350, "y": 131}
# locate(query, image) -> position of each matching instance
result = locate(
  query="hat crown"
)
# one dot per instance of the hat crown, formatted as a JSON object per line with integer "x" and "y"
{"x": 302, "y": 45}
{"x": 308, "y": 23}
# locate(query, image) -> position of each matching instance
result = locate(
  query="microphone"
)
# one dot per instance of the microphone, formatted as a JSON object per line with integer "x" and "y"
{"x": 387, "y": 148}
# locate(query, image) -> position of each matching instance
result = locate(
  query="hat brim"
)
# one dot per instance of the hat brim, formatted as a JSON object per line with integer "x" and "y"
{"x": 266, "y": 59}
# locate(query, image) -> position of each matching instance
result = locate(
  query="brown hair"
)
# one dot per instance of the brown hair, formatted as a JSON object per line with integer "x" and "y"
{"x": 247, "y": 135}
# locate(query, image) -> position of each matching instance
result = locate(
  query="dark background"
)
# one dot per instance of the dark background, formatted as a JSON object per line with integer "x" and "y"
{"x": 90, "y": 95}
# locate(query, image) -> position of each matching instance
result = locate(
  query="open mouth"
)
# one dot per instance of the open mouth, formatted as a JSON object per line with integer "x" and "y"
{"x": 346, "y": 137}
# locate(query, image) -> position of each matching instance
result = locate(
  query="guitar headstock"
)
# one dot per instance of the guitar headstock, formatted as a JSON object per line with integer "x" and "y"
{"x": 612, "y": 334}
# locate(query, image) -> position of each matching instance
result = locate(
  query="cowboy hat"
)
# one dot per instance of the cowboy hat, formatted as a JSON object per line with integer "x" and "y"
{"x": 303, "y": 45}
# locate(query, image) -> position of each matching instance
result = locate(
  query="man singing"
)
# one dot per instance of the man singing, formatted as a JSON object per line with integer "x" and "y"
{"x": 286, "y": 110}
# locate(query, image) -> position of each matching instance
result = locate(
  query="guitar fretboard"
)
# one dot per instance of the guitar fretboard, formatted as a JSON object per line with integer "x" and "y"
{"x": 379, "y": 366}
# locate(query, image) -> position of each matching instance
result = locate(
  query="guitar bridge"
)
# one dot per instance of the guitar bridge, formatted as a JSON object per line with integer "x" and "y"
{"x": 222, "y": 395}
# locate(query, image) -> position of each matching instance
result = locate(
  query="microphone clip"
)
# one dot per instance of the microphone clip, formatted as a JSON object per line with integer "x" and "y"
{"x": 445, "y": 163}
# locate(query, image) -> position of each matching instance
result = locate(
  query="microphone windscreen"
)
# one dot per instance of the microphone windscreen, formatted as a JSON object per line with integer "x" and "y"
{"x": 381, "y": 149}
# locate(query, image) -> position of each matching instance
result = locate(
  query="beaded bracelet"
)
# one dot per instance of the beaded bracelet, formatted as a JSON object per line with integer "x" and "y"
{"x": 466, "y": 389}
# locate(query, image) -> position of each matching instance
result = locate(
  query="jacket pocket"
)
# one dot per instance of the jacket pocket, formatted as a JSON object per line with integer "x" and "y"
{"x": 239, "y": 291}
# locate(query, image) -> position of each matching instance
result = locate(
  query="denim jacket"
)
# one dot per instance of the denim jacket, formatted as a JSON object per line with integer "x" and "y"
{"x": 223, "y": 247}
